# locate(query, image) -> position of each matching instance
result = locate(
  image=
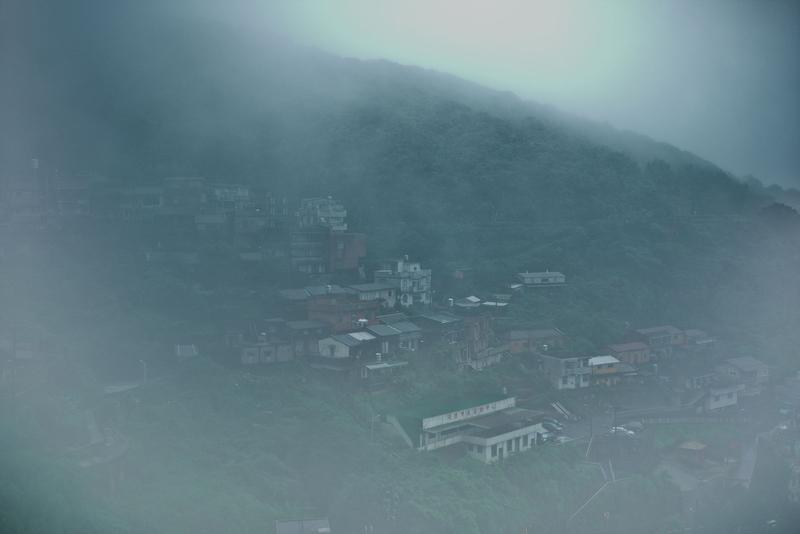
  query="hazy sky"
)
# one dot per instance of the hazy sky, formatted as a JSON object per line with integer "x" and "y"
{"x": 720, "y": 78}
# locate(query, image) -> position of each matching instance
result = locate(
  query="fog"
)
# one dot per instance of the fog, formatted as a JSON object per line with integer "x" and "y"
{"x": 356, "y": 267}
{"x": 717, "y": 77}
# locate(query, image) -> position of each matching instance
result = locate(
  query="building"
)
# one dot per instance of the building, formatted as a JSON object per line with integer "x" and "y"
{"x": 309, "y": 250}
{"x": 492, "y": 428}
{"x": 441, "y": 327}
{"x": 662, "y": 340}
{"x": 698, "y": 343}
{"x": 380, "y": 373}
{"x": 304, "y": 336}
{"x": 402, "y": 336}
{"x": 322, "y": 212}
{"x": 605, "y": 370}
{"x": 352, "y": 346}
{"x": 566, "y": 370}
{"x": 719, "y": 397}
{"x": 522, "y": 340}
{"x": 343, "y": 312}
{"x": 413, "y": 283}
{"x": 635, "y": 353}
{"x": 143, "y": 202}
{"x": 753, "y": 373}
{"x": 542, "y": 279}
{"x": 185, "y": 352}
{"x": 303, "y": 526}
{"x": 384, "y": 293}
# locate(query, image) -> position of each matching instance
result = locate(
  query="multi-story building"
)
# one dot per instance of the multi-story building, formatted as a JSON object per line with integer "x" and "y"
{"x": 409, "y": 278}
{"x": 566, "y": 370}
{"x": 324, "y": 212}
{"x": 605, "y": 370}
{"x": 662, "y": 340}
{"x": 635, "y": 353}
{"x": 753, "y": 373}
{"x": 522, "y": 340}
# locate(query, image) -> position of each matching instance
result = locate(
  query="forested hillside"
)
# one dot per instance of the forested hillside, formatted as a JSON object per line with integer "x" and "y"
{"x": 451, "y": 173}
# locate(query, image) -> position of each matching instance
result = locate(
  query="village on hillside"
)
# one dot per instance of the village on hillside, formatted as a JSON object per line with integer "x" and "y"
{"x": 365, "y": 322}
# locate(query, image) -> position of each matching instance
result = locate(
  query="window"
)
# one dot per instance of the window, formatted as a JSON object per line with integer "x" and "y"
{"x": 564, "y": 380}
{"x": 525, "y": 440}
{"x": 494, "y": 451}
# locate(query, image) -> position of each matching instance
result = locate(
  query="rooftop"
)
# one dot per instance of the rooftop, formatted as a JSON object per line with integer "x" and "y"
{"x": 383, "y": 330}
{"x": 440, "y": 317}
{"x": 664, "y": 329}
{"x": 745, "y": 363}
{"x": 390, "y": 318}
{"x": 541, "y": 273}
{"x": 372, "y": 286}
{"x": 625, "y": 347}
{"x": 353, "y": 339}
{"x": 603, "y": 360}
{"x": 443, "y": 404}
{"x": 503, "y": 422}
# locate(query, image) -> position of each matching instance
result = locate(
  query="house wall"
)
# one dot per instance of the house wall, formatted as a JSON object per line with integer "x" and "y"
{"x": 330, "y": 348}
{"x": 718, "y": 399}
{"x": 633, "y": 357}
{"x": 504, "y": 445}
{"x": 566, "y": 373}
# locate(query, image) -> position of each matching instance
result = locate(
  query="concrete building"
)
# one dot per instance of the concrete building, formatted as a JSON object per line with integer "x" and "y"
{"x": 383, "y": 292}
{"x": 662, "y": 340}
{"x": 635, "y": 353}
{"x": 753, "y": 373}
{"x": 566, "y": 370}
{"x": 605, "y": 370}
{"x": 522, "y": 340}
{"x": 413, "y": 283}
{"x": 542, "y": 279}
{"x": 303, "y": 526}
{"x": 492, "y": 428}
{"x": 355, "y": 345}
{"x": 322, "y": 212}
{"x": 719, "y": 397}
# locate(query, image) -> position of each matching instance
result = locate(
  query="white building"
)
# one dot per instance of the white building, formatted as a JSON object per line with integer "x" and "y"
{"x": 492, "y": 429}
{"x": 546, "y": 278}
{"x": 720, "y": 397}
{"x": 566, "y": 370}
{"x": 413, "y": 283}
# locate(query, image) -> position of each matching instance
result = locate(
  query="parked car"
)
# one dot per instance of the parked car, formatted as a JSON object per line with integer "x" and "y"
{"x": 553, "y": 421}
{"x": 621, "y": 430}
{"x": 552, "y": 428}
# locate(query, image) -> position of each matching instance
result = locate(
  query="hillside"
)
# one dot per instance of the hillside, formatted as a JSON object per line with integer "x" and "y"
{"x": 427, "y": 164}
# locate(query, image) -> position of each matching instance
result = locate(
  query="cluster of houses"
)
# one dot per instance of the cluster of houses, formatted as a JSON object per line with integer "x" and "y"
{"x": 687, "y": 359}
{"x": 368, "y": 329}
{"x": 186, "y": 212}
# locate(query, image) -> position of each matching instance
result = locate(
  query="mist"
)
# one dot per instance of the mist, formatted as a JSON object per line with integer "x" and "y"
{"x": 399, "y": 267}
{"x": 717, "y": 78}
